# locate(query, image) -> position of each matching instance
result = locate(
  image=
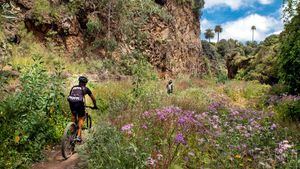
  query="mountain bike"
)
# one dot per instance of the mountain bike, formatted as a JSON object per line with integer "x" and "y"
{"x": 69, "y": 140}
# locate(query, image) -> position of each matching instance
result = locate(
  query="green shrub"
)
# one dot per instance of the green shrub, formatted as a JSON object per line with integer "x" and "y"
{"x": 31, "y": 118}
{"x": 289, "y": 60}
{"x": 108, "y": 148}
{"x": 94, "y": 26}
{"x": 278, "y": 89}
{"x": 289, "y": 110}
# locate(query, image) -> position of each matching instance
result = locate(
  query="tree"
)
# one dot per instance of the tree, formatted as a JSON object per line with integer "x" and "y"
{"x": 218, "y": 30}
{"x": 209, "y": 34}
{"x": 289, "y": 57}
{"x": 253, "y": 28}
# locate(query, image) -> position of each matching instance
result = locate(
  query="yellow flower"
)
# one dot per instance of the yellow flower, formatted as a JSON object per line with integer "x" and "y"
{"x": 17, "y": 139}
{"x": 237, "y": 156}
{"x": 52, "y": 109}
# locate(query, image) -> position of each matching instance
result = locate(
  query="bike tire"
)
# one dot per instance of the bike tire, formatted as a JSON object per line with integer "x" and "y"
{"x": 89, "y": 122}
{"x": 68, "y": 140}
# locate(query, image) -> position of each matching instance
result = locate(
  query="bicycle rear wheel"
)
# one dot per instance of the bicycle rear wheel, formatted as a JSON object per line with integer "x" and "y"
{"x": 69, "y": 140}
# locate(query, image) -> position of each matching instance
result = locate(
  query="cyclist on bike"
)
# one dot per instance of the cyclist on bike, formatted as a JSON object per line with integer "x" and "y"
{"x": 77, "y": 102}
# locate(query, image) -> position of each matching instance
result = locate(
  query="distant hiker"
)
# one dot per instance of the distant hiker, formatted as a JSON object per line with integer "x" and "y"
{"x": 77, "y": 102}
{"x": 170, "y": 87}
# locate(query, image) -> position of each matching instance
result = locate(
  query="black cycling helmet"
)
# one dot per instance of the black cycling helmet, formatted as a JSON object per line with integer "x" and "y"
{"x": 82, "y": 79}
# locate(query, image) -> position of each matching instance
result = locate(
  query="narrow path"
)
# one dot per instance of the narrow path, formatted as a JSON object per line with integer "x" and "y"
{"x": 56, "y": 161}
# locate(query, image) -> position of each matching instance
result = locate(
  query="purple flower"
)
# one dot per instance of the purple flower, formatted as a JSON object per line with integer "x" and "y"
{"x": 281, "y": 150}
{"x": 234, "y": 113}
{"x": 214, "y": 106}
{"x": 273, "y": 126}
{"x": 146, "y": 114}
{"x": 145, "y": 126}
{"x": 180, "y": 139}
{"x": 161, "y": 115}
{"x": 127, "y": 128}
{"x": 181, "y": 120}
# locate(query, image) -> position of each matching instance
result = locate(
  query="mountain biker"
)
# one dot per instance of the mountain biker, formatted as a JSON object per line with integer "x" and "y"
{"x": 170, "y": 87}
{"x": 77, "y": 102}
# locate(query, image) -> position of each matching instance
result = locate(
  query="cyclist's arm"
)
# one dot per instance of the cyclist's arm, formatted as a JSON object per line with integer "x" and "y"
{"x": 89, "y": 92}
{"x": 93, "y": 99}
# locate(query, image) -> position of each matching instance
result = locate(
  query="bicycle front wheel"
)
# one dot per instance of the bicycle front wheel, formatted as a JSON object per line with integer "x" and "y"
{"x": 69, "y": 140}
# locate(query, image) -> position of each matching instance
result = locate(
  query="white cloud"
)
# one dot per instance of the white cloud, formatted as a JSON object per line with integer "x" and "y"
{"x": 234, "y": 4}
{"x": 266, "y": 2}
{"x": 240, "y": 29}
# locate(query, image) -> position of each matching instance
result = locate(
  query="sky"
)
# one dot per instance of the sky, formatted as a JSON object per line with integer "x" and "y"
{"x": 237, "y": 16}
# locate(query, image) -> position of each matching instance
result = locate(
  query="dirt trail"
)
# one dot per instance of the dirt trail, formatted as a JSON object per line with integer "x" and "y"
{"x": 56, "y": 161}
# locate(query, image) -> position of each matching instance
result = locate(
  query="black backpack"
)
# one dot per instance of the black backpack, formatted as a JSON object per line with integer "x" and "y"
{"x": 76, "y": 95}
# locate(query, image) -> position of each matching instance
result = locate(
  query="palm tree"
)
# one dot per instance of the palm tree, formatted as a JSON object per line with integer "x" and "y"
{"x": 218, "y": 30}
{"x": 253, "y": 28}
{"x": 209, "y": 34}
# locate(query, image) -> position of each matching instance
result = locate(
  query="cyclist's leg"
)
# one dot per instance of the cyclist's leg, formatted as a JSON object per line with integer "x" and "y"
{"x": 81, "y": 114}
{"x": 80, "y": 124}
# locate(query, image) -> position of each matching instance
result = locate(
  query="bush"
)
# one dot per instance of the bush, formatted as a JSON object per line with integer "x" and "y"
{"x": 107, "y": 148}
{"x": 289, "y": 60}
{"x": 31, "y": 118}
{"x": 289, "y": 110}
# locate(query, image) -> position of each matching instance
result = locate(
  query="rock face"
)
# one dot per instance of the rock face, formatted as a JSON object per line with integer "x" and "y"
{"x": 175, "y": 46}
{"x": 172, "y": 46}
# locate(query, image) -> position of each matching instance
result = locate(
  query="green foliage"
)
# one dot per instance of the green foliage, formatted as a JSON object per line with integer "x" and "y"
{"x": 221, "y": 77}
{"x": 289, "y": 110}
{"x": 108, "y": 148}
{"x": 109, "y": 44}
{"x": 240, "y": 91}
{"x": 209, "y": 50}
{"x": 94, "y": 26}
{"x": 278, "y": 89}
{"x": 31, "y": 118}
{"x": 41, "y": 8}
{"x": 74, "y": 6}
{"x": 289, "y": 58}
{"x": 263, "y": 66}
{"x": 290, "y": 9}
{"x": 142, "y": 72}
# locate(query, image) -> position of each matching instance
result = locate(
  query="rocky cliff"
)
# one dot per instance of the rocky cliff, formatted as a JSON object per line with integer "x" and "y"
{"x": 166, "y": 32}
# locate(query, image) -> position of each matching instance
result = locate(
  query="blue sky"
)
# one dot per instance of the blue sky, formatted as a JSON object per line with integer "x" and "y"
{"x": 237, "y": 16}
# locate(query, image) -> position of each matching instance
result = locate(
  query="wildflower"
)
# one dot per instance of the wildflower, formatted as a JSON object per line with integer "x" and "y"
{"x": 180, "y": 139}
{"x": 127, "y": 128}
{"x": 145, "y": 126}
{"x": 181, "y": 120}
{"x": 234, "y": 113}
{"x": 146, "y": 114}
{"x": 237, "y": 156}
{"x": 273, "y": 127}
{"x": 161, "y": 115}
{"x": 159, "y": 156}
{"x": 151, "y": 161}
{"x": 201, "y": 140}
{"x": 191, "y": 153}
{"x": 214, "y": 106}
{"x": 281, "y": 150}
